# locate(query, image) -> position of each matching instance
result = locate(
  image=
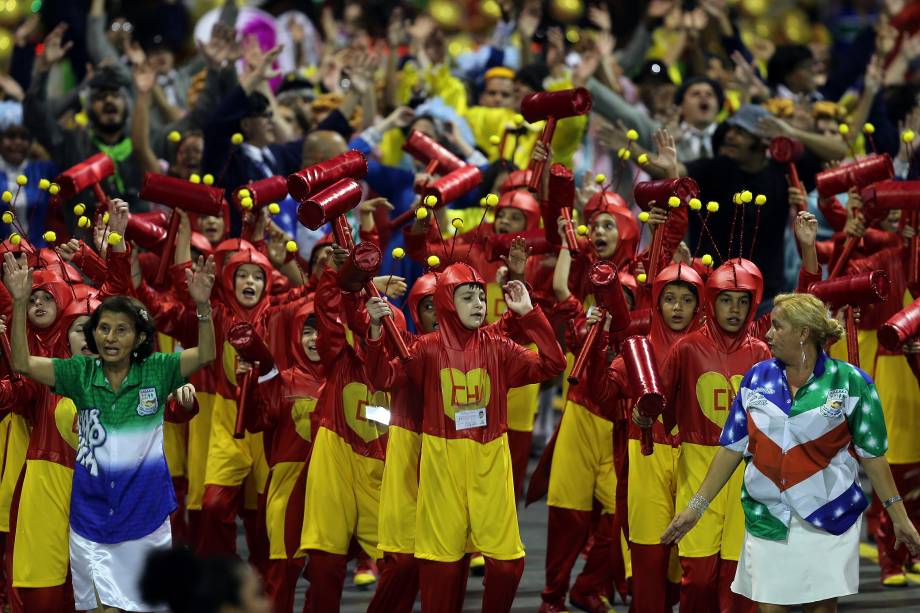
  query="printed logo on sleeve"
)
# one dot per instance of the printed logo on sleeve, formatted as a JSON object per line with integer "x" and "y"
{"x": 835, "y": 404}
{"x": 147, "y": 403}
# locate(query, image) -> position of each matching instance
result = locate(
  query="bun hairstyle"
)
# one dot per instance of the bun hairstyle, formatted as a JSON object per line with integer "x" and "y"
{"x": 807, "y": 311}
{"x": 189, "y": 584}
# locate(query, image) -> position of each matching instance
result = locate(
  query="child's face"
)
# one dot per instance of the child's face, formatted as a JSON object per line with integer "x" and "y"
{"x": 42, "y": 309}
{"x": 426, "y": 315}
{"x": 732, "y": 310}
{"x": 308, "y": 342}
{"x": 76, "y": 338}
{"x": 470, "y": 302}
{"x": 605, "y": 235}
{"x": 892, "y": 221}
{"x": 509, "y": 220}
{"x": 212, "y": 226}
{"x": 677, "y": 305}
{"x": 249, "y": 282}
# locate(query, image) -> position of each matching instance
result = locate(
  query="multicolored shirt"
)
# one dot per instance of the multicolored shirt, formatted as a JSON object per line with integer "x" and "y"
{"x": 122, "y": 489}
{"x": 801, "y": 452}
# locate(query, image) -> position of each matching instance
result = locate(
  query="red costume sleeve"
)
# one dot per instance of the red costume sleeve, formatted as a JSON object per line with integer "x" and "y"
{"x": 525, "y": 366}
{"x": 91, "y": 264}
{"x": 614, "y": 387}
{"x": 265, "y": 404}
{"x": 886, "y": 259}
{"x": 833, "y": 212}
{"x": 669, "y": 374}
{"x": 385, "y": 373}
{"x": 18, "y": 396}
{"x": 806, "y": 279}
{"x": 171, "y": 316}
{"x": 760, "y": 326}
{"x": 118, "y": 280}
{"x": 330, "y": 329}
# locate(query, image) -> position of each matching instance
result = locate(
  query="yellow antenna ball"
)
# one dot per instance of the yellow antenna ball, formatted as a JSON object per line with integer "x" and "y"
{"x": 494, "y": 139}
{"x": 236, "y": 139}
{"x": 433, "y": 261}
{"x": 105, "y": 218}
{"x": 642, "y": 159}
{"x": 246, "y": 203}
{"x": 44, "y": 184}
{"x": 84, "y": 222}
{"x": 274, "y": 208}
{"x": 244, "y": 193}
{"x": 518, "y": 119}
{"x": 398, "y": 253}
{"x": 15, "y": 239}
{"x": 600, "y": 178}
{"x": 908, "y": 136}
{"x": 79, "y": 209}
{"x": 868, "y": 128}
{"x": 641, "y": 277}
{"x": 491, "y": 200}
{"x": 482, "y": 201}
{"x": 706, "y": 260}
{"x": 623, "y": 153}
{"x": 114, "y": 238}
{"x": 53, "y": 189}
{"x": 844, "y": 129}
{"x": 174, "y": 136}
{"x": 421, "y": 213}
{"x": 22, "y": 180}
{"x": 49, "y": 236}
{"x": 695, "y": 204}
{"x": 643, "y": 216}
{"x": 81, "y": 119}
{"x": 194, "y": 178}
{"x": 760, "y": 200}
{"x": 673, "y": 202}
{"x": 632, "y": 135}
{"x": 456, "y": 222}
{"x": 746, "y": 197}
{"x": 582, "y": 230}
{"x": 712, "y": 206}
{"x": 7, "y": 217}
{"x": 290, "y": 246}
{"x": 208, "y": 179}
{"x": 431, "y": 200}
{"x": 7, "y": 196}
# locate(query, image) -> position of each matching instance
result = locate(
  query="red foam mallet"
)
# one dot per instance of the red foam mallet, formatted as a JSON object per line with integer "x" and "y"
{"x": 358, "y": 271}
{"x": 788, "y": 151}
{"x": 658, "y": 193}
{"x": 251, "y": 348}
{"x": 330, "y": 206}
{"x": 901, "y": 328}
{"x": 437, "y": 158}
{"x": 642, "y": 370}
{"x": 178, "y": 193}
{"x": 608, "y": 294}
{"x": 262, "y": 193}
{"x": 552, "y": 106}
{"x": 853, "y": 292}
{"x": 145, "y": 233}
{"x": 89, "y": 173}
{"x": 303, "y": 183}
{"x": 858, "y": 174}
{"x": 446, "y": 189}
{"x": 560, "y": 198}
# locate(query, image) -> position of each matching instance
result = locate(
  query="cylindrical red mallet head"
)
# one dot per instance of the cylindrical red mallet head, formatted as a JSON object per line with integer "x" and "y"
{"x": 860, "y": 289}
{"x": 560, "y": 196}
{"x": 326, "y": 205}
{"x": 263, "y": 192}
{"x": 498, "y": 245}
{"x": 857, "y": 174}
{"x": 89, "y": 172}
{"x": 608, "y": 292}
{"x": 361, "y": 266}
{"x": 425, "y": 149}
{"x": 880, "y": 198}
{"x": 901, "y": 328}
{"x": 181, "y": 194}
{"x": 351, "y": 164}
{"x": 250, "y": 347}
{"x": 452, "y": 186}
{"x": 145, "y": 233}
{"x": 659, "y": 191}
{"x": 642, "y": 370}
{"x": 558, "y": 105}
{"x": 786, "y": 150}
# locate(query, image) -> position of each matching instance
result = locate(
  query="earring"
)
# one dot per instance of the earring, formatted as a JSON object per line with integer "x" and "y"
{"x": 802, "y": 346}
{"x": 134, "y": 354}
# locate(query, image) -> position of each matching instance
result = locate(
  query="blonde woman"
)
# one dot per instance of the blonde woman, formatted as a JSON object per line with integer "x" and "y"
{"x": 803, "y": 422}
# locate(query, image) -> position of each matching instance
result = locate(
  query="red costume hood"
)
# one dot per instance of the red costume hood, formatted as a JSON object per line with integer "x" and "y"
{"x": 454, "y": 333}
{"x": 627, "y": 228}
{"x": 49, "y": 280}
{"x": 661, "y": 336}
{"x": 298, "y": 357}
{"x": 227, "y": 273}
{"x": 522, "y": 200}
{"x": 423, "y": 286}
{"x": 736, "y": 275}
{"x": 83, "y": 305}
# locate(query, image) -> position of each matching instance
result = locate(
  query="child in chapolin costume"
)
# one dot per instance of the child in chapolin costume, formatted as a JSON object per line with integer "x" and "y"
{"x": 466, "y": 489}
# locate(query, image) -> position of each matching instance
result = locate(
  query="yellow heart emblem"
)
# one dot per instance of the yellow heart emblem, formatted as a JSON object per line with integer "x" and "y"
{"x": 715, "y": 396}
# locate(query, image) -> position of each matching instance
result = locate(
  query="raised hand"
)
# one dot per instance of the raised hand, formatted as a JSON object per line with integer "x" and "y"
{"x": 377, "y": 309}
{"x": 372, "y": 204}
{"x": 517, "y": 256}
{"x": 185, "y": 396}
{"x": 338, "y": 256}
{"x": 201, "y": 281}
{"x": 517, "y": 298}
{"x": 797, "y": 198}
{"x": 68, "y": 250}
{"x": 118, "y": 216}
{"x": 806, "y": 227}
{"x": 54, "y": 48}
{"x": 17, "y": 276}
{"x": 144, "y": 78}
{"x": 395, "y": 287}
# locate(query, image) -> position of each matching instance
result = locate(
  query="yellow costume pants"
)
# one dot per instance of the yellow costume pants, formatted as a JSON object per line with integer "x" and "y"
{"x": 582, "y": 467}
{"x": 652, "y": 488}
{"x": 399, "y": 491}
{"x": 41, "y": 556}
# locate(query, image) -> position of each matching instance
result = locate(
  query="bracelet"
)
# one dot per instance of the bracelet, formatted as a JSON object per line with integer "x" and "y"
{"x": 892, "y": 500}
{"x": 698, "y": 504}
{"x": 203, "y": 316}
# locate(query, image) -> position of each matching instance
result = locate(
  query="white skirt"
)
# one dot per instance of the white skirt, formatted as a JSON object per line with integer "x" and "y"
{"x": 810, "y": 566}
{"x": 114, "y": 569}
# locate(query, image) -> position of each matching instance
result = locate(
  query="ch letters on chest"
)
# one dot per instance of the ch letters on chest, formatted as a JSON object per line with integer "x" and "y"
{"x": 355, "y": 400}
{"x": 715, "y": 395}
{"x": 465, "y": 392}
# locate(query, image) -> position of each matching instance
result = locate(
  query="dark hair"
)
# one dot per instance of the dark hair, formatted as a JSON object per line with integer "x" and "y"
{"x": 189, "y": 584}
{"x": 140, "y": 317}
{"x": 688, "y": 83}
{"x": 532, "y": 75}
{"x": 785, "y": 59}
{"x": 309, "y": 321}
{"x": 683, "y": 284}
{"x": 492, "y": 172}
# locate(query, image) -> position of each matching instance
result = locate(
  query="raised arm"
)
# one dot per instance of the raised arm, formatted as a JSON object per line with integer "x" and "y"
{"x": 200, "y": 284}
{"x": 17, "y": 276}
{"x": 144, "y": 81}
{"x": 527, "y": 367}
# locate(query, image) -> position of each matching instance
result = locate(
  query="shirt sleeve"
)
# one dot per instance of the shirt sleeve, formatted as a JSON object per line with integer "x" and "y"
{"x": 735, "y": 431}
{"x": 168, "y": 372}
{"x": 867, "y": 423}
{"x": 69, "y": 375}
